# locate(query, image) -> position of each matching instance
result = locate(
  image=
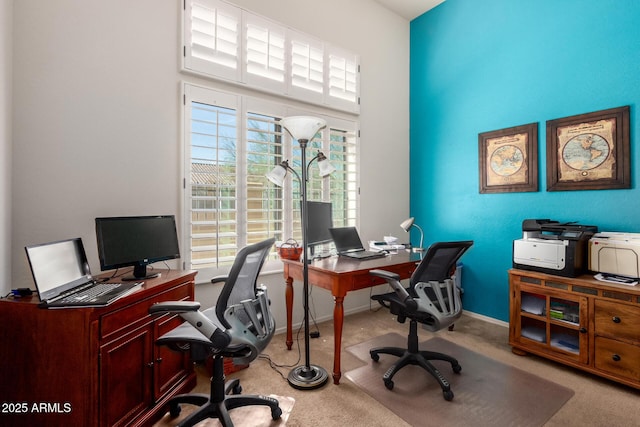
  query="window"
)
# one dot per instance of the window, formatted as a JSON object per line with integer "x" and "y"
{"x": 225, "y": 42}
{"x": 231, "y": 142}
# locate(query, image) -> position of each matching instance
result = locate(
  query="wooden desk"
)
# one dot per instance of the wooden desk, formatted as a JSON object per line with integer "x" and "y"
{"x": 341, "y": 275}
{"x": 92, "y": 366}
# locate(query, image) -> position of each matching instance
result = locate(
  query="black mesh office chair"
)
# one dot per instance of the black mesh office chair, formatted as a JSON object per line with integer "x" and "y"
{"x": 431, "y": 299}
{"x": 239, "y": 326}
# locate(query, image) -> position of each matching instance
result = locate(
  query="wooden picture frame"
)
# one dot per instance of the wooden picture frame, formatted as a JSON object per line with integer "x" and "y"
{"x": 508, "y": 159}
{"x": 589, "y": 151}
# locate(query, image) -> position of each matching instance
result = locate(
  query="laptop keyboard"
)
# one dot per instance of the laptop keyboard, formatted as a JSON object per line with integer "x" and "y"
{"x": 92, "y": 292}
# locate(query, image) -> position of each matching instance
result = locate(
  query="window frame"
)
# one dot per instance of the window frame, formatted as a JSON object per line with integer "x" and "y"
{"x": 255, "y": 104}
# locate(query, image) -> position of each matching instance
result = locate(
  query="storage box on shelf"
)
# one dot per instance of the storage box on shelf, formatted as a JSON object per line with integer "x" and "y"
{"x": 581, "y": 322}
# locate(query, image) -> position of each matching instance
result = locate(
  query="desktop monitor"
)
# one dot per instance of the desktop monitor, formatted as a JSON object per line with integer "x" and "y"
{"x": 136, "y": 241}
{"x": 320, "y": 220}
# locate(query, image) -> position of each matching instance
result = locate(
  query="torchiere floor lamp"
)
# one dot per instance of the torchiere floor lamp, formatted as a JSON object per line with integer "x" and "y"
{"x": 303, "y": 129}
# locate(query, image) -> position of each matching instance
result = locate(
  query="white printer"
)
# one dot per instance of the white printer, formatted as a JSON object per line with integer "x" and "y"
{"x": 615, "y": 253}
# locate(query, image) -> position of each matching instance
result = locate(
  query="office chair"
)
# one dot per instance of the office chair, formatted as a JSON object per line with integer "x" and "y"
{"x": 432, "y": 299}
{"x": 239, "y": 326}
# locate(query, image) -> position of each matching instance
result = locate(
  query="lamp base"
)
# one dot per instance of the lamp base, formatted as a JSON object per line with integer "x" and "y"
{"x": 307, "y": 378}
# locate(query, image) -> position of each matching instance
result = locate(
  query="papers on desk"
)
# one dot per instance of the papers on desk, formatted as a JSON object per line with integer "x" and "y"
{"x": 384, "y": 246}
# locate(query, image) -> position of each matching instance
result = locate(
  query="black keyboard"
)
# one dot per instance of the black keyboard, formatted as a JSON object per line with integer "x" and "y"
{"x": 91, "y": 293}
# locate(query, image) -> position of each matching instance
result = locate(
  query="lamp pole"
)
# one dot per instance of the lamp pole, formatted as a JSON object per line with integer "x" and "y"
{"x": 307, "y": 376}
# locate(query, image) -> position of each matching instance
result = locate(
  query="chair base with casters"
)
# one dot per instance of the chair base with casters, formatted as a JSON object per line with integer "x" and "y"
{"x": 223, "y": 397}
{"x": 412, "y": 355}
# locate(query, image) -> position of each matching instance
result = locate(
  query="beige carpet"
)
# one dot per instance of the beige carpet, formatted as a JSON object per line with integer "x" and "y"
{"x": 487, "y": 392}
{"x": 597, "y": 402}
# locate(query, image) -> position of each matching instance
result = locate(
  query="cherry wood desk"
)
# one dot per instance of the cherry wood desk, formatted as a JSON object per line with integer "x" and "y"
{"x": 92, "y": 366}
{"x": 341, "y": 275}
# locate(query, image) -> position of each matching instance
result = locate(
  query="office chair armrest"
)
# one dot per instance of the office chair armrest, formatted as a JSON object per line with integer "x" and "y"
{"x": 219, "y": 279}
{"x": 174, "y": 307}
{"x": 394, "y": 280}
{"x": 190, "y": 312}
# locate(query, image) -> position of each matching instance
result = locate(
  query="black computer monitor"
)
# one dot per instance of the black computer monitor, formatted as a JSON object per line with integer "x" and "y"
{"x": 320, "y": 220}
{"x": 136, "y": 241}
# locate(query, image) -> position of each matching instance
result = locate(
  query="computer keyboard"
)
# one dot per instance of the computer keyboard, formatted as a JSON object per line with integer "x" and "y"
{"x": 92, "y": 292}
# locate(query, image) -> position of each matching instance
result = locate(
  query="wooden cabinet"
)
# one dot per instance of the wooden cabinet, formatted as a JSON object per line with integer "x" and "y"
{"x": 92, "y": 366}
{"x": 581, "y": 322}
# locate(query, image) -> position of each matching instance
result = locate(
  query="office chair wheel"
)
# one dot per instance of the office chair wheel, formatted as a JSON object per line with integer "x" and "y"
{"x": 174, "y": 410}
{"x": 236, "y": 389}
{"x": 388, "y": 384}
{"x": 276, "y": 413}
{"x": 456, "y": 368}
{"x": 374, "y": 356}
{"x": 448, "y": 395}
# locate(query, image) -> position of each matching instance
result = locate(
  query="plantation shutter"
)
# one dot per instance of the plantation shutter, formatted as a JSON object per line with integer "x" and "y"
{"x": 212, "y": 38}
{"x": 265, "y": 53}
{"x": 343, "y": 79}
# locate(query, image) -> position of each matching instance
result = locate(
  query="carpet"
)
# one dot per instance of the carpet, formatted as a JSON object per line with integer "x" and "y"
{"x": 248, "y": 416}
{"x": 487, "y": 392}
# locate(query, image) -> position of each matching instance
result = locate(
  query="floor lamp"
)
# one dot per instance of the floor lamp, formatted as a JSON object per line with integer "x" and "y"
{"x": 303, "y": 128}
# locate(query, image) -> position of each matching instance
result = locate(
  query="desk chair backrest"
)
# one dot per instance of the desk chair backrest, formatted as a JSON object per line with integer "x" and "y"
{"x": 433, "y": 287}
{"x": 243, "y": 306}
{"x": 241, "y": 282}
{"x": 439, "y": 262}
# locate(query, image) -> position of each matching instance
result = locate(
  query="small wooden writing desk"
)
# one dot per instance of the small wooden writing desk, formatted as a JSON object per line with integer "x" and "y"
{"x": 341, "y": 275}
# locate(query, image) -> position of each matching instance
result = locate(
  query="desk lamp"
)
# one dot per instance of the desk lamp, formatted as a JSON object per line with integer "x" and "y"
{"x": 406, "y": 226}
{"x": 303, "y": 128}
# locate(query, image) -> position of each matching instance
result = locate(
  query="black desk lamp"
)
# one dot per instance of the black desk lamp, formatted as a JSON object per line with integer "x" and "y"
{"x": 303, "y": 128}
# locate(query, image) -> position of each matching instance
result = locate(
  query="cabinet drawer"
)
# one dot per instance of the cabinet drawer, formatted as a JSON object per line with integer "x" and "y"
{"x": 132, "y": 315}
{"x": 619, "y": 320}
{"x": 618, "y": 358}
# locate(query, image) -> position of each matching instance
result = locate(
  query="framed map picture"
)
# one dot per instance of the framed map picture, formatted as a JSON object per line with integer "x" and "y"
{"x": 508, "y": 159}
{"x": 589, "y": 151}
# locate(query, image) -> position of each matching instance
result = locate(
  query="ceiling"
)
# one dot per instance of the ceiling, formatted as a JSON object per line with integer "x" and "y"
{"x": 409, "y": 9}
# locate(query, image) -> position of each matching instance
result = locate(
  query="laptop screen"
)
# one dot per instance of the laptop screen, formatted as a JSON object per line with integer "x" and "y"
{"x": 346, "y": 239}
{"x": 58, "y": 266}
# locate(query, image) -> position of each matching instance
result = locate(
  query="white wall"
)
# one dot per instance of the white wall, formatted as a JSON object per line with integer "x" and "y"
{"x": 97, "y": 117}
{"x": 6, "y": 31}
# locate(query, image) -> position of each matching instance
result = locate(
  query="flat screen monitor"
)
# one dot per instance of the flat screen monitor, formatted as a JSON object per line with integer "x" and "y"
{"x": 320, "y": 220}
{"x": 136, "y": 241}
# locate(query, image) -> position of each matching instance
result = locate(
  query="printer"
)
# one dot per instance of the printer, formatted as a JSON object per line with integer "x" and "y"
{"x": 615, "y": 253}
{"x": 553, "y": 247}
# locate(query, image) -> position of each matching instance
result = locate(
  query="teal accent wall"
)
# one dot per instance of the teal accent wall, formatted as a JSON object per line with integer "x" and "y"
{"x": 483, "y": 65}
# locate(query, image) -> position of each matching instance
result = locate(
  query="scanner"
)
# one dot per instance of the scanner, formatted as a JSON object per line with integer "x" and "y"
{"x": 552, "y": 247}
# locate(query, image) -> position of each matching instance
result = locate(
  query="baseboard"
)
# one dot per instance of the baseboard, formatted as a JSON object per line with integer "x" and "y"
{"x": 368, "y": 308}
{"x": 486, "y": 318}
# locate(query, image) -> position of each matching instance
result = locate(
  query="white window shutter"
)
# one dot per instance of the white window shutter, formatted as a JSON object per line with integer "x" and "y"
{"x": 307, "y": 68}
{"x": 343, "y": 91}
{"x": 265, "y": 44}
{"x": 212, "y": 38}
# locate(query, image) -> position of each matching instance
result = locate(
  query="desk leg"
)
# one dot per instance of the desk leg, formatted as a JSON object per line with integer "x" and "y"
{"x": 288, "y": 297}
{"x": 338, "y": 321}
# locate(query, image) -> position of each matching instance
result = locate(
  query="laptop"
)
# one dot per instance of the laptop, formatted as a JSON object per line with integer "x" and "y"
{"x": 61, "y": 274}
{"x": 349, "y": 244}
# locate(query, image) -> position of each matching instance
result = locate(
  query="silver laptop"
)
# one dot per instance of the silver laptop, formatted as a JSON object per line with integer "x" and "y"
{"x": 61, "y": 274}
{"x": 349, "y": 244}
